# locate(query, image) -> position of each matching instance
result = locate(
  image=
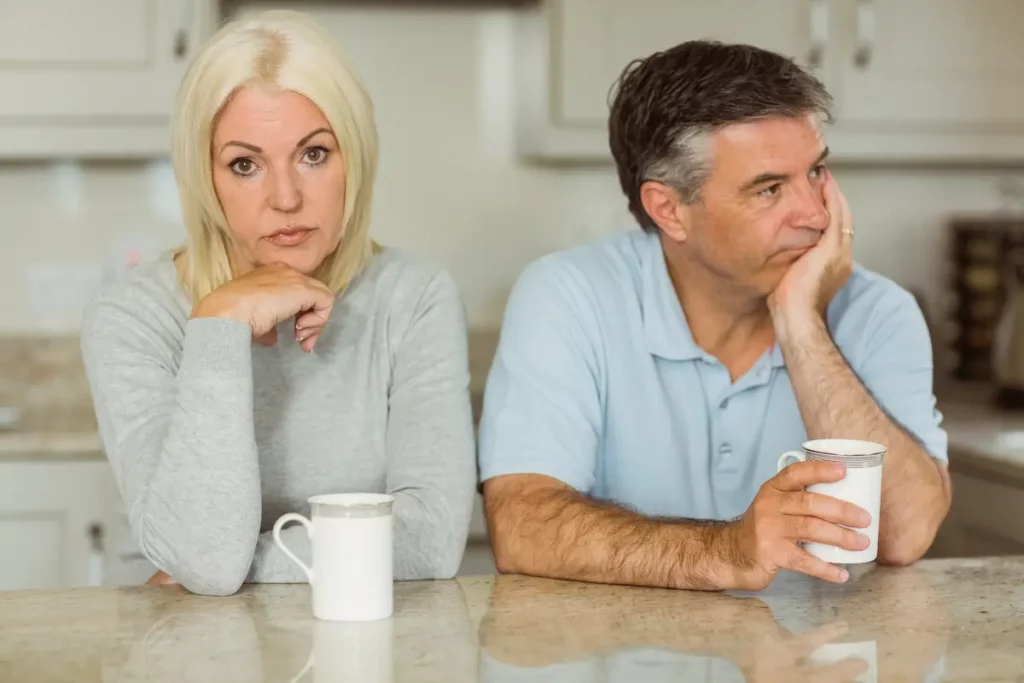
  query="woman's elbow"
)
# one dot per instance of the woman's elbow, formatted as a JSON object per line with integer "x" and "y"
{"x": 217, "y": 571}
{"x": 215, "y": 584}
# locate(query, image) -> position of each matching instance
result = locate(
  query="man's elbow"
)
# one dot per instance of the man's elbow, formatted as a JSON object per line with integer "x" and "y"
{"x": 909, "y": 547}
{"x": 901, "y": 555}
{"x": 507, "y": 554}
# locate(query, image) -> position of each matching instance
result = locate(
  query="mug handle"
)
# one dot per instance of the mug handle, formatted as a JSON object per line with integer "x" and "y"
{"x": 279, "y": 524}
{"x": 790, "y": 457}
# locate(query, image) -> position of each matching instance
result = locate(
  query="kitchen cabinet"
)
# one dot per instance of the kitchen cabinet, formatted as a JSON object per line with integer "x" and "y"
{"x": 984, "y": 518}
{"x": 910, "y": 84}
{"x": 55, "y": 522}
{"x": 946, "y": 82}
{"x": 97, "y": 78}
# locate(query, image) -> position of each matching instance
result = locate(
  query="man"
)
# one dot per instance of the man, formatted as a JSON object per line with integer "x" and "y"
{"x": 644, "y": 386}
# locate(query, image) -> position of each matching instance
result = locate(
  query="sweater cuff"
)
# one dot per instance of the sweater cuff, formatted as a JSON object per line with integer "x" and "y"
{"x": 215, "y": 346}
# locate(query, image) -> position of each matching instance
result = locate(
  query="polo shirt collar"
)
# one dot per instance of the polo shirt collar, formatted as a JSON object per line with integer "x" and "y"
{"x": 668, "y": 335}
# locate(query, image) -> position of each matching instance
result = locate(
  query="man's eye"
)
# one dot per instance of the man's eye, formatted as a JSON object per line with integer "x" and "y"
{"x": 818, "y": 171}
{"x": 770, "y": 191}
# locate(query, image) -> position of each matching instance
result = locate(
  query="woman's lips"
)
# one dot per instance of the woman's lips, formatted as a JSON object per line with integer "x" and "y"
{"x": 290, "y": 237}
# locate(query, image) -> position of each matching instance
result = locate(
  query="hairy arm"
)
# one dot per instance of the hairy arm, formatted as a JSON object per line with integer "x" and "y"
{"x": 542, "y": 527}
{"x": 834, "y": 403}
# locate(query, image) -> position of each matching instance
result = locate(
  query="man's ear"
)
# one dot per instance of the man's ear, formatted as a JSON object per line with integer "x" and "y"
{"x": 666, "y": 209}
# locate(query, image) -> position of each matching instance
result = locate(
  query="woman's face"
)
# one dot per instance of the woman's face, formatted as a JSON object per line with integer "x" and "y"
{"x": 280, "y": 178}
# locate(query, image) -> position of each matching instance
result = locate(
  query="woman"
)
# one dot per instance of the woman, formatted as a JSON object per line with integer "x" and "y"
{"x": 279, "y": 353}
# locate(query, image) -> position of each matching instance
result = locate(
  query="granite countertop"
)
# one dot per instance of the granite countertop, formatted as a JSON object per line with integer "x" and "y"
{"x": 950, "y": 620}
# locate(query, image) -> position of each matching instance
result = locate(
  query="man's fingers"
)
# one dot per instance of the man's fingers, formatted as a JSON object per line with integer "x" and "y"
{"x": 802, "y": 561}
{"x": 824, "y": 507}
{"x": 806, "y": 643}
{"x": 800, "y": 475}
{"x": 812, "y": 529}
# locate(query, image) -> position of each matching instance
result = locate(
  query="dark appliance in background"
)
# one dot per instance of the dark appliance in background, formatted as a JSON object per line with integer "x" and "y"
{"x": 988, "y": 314}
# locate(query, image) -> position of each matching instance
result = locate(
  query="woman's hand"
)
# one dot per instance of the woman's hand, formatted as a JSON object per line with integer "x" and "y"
{"x": 267, "y": 296}
{"x": 161, "y": 579}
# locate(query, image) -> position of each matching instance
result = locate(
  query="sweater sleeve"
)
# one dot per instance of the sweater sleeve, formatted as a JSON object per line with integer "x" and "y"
{"x": 180, "y": 438}
{"x": 430, "y": 446}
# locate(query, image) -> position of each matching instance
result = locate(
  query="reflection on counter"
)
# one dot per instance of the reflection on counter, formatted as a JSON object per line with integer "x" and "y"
{"x": 954, "y": 620}
{"x": 882, "y": 626}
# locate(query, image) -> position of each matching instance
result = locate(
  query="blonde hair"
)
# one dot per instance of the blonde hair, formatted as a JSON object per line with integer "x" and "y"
{"x": 284, "y": 50}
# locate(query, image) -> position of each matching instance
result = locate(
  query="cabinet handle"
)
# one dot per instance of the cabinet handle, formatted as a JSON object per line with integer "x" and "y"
{"x": 865, "y": 33}
{"x": 819, "y": 33}
{"x": 97, "y": 555}
{"x": 180, "y": 44}
{"x": 184, "y": 27}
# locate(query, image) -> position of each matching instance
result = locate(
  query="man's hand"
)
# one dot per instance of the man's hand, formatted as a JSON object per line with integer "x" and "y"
{"x": 782, "y": 515}
{"x": 811, "y": 282}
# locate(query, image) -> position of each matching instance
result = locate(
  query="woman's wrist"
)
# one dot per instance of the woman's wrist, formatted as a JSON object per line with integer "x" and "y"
{"x": 211, "y": 307}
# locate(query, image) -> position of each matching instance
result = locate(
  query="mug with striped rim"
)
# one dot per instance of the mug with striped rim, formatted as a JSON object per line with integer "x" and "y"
{"x": 861, "y": 486}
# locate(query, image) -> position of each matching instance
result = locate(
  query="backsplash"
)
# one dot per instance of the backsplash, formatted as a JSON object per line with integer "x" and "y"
{"x": 44, "y": 378}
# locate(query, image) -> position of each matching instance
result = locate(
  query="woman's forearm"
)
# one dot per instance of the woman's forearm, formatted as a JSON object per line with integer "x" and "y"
{"x": 182, "y": 446}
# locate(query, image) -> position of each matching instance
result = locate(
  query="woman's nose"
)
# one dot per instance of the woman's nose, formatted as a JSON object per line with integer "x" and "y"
{"x": 285, "y": 191}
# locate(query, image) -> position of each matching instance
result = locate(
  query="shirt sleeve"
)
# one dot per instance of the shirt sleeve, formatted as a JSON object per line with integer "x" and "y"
{"x": 542, "y": 409}
{"x": 898, "y": 370}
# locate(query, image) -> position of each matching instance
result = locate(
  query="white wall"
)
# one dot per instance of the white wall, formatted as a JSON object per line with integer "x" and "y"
{"x": 450, "y": 185}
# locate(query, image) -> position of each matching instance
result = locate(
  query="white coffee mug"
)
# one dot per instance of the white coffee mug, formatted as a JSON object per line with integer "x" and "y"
{"x": 351, "y": 536}
{"x": 861, "y": 486}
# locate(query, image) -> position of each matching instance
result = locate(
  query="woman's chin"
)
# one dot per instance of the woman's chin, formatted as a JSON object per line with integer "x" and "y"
{"x": 304, "y": 261}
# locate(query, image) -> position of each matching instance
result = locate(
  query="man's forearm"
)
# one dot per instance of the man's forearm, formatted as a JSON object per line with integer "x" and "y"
{"x": 835, "y": 404}
{"x": 560, "y": 533}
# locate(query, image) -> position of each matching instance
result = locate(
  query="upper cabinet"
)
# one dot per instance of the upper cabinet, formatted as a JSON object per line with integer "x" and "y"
{"x": 942, "y": 80}
{"x": 945, "y": 83}
{"x": 97, "y": 78}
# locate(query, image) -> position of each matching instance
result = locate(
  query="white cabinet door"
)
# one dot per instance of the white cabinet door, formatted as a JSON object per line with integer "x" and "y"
{"x": 55, "y": 518}
{"x": 572, "y": 51}
{"x": 942, "y": 81}
{"x": 94, "y": 78}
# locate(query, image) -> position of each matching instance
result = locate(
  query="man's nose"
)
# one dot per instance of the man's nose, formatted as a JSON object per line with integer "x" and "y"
{"x": 812, "y": 212}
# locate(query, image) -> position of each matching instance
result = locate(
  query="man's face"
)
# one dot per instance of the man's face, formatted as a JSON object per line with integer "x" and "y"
{"x": 763, "y": 205}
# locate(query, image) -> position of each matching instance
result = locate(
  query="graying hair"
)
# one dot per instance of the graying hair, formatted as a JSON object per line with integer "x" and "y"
{"x": 687, "y": 166}
{"x": 667, "y": 107}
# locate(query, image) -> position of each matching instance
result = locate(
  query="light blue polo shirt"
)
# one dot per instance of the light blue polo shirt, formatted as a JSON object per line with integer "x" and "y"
{"x": 597, "y": 382}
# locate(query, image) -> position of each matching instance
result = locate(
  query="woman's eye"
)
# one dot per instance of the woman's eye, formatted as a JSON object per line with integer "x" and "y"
{"x": 770, "y": 191}
{"x": 315, "y": 155}
{"x": 243, "y": 166}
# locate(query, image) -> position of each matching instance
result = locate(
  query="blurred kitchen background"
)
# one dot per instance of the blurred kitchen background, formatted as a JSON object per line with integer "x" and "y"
{"x": 493, "y": 152}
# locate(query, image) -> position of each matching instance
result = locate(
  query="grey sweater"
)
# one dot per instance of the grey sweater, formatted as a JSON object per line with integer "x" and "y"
{"x": 212, "y": 438}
